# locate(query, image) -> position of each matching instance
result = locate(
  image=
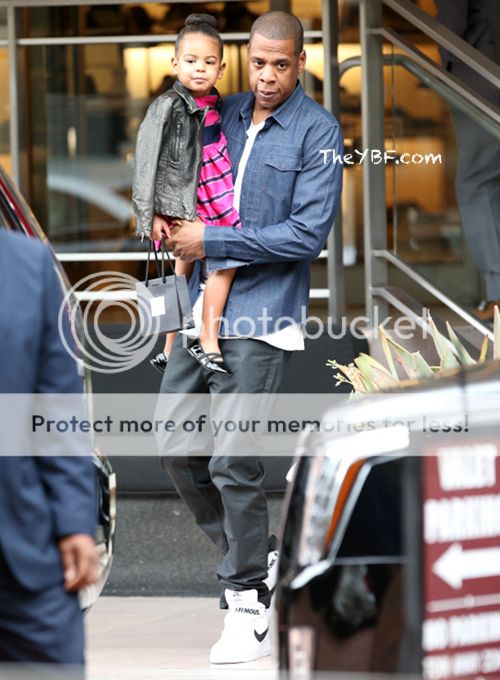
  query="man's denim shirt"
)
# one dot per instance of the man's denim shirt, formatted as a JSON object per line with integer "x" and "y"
{"x": 289, "y": 198}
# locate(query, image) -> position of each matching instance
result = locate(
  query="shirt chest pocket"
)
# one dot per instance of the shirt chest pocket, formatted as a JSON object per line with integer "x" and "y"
{"x": 280, "y": 172}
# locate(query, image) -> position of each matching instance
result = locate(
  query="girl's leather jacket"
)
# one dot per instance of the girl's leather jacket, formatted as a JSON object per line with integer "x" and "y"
{"x": 168, "y": 158}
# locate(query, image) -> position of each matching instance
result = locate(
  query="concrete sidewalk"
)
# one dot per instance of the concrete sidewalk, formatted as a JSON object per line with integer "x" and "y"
{"x": 151, "y": 638}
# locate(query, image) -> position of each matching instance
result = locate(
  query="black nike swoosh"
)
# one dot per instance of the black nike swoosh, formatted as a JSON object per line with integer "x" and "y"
{"x": 261, "y": 636}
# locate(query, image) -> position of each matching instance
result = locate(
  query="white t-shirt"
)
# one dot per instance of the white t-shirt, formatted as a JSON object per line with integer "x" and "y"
{"x": 290, "y": 338}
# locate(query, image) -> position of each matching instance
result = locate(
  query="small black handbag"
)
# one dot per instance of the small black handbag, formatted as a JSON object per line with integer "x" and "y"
{"x": 163, "y": 303}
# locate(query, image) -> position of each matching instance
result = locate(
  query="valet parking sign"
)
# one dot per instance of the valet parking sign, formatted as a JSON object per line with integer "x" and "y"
{"x": 461, "y": 561}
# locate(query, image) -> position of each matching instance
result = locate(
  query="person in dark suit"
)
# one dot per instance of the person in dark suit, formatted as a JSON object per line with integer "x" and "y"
{"x": 478, "y": 167}
{"x": 47, "y": 503}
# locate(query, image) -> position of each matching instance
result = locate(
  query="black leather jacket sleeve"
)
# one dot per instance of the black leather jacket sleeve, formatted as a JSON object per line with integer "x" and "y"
{"x": 147, "y": 153}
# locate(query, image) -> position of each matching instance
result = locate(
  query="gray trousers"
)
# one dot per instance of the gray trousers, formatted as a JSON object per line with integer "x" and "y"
{"x": 477, "y": 180}
{"x": 223, "y": 491}
{"x": 478, "y": 196}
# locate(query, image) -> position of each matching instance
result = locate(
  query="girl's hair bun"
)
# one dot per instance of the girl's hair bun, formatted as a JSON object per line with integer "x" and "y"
{"x": 206, "y": 24}
{"x": 194, "y": 19}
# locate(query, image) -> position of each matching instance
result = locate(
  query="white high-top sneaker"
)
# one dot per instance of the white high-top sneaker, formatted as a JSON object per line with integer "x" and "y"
{"x": 272, "y": 570}
{"x": 246, "y": 634}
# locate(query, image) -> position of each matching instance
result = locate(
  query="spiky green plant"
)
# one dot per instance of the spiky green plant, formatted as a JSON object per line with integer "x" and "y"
{"x": 367, "y": 374}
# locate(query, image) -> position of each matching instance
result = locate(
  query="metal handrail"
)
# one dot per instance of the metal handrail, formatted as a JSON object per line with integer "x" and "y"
{"x": 444, "y": 84}
{"x": 477, "y": 102}
{"x": 156, "y": 38}
{"x": 400, "y": 264}
{"x": 372, "y": 31}
{"x": 446, "y": 38}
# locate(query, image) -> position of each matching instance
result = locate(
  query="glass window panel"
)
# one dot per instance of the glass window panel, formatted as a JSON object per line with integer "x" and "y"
{"x": 82, "y": 134}
{"x": 312, "y": 79}
{"x": 348, "y": 22}
{"x": 428, "y": 6}
{"x": 424, "y": 223}
{"x": 138, "y": 18}
{"x": 309, "y": 12}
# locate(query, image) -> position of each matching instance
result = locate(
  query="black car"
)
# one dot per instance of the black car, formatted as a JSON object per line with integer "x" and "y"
{"x": 390, "y": 556}
{"x": 16, "y": 215}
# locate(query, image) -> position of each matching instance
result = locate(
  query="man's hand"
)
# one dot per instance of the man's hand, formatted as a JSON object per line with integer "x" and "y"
{"x": 79, "y": 559}
{"x": 161, "y": 227}
{"x": 186, "y": 239}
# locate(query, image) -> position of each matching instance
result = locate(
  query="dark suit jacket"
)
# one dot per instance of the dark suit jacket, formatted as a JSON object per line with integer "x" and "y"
{"x": 478, "y": 23}
{"x": 41, "y": 498}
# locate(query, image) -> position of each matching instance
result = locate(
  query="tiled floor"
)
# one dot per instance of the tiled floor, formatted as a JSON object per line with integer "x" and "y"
{"x": 147, "y": 638}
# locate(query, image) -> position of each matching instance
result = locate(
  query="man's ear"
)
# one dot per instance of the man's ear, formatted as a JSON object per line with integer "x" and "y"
{"x": 222, "y": 68}
{"x": 302, "y": 61}
{"x": 175, "y": 64}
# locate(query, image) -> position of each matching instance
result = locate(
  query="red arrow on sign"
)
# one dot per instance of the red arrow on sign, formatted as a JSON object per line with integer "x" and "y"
{"x": 456, "y": 564}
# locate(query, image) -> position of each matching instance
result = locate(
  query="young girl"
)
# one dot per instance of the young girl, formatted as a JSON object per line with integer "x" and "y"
{"x": 178, "y": 176}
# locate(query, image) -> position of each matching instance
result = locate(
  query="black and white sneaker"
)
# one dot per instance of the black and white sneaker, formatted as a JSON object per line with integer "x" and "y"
{"x": 272, "y": 571}
{"x": 246, "y": 635}
{"x": 159, "y": 361}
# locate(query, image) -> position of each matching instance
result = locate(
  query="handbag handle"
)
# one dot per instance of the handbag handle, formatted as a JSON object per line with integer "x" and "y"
{"x": 160, "y": 271}
{"x": 164, "y": 250}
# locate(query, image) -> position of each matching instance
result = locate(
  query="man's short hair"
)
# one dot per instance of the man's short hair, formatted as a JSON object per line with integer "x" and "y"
{"x": 277, "y": 25}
